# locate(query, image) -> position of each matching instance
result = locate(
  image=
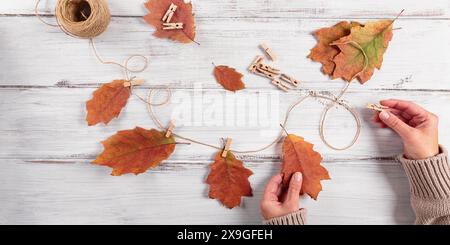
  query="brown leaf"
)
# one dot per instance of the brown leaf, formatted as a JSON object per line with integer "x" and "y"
{"x": 228, "y": 180}
{"x": 362, "y": 51}
{"x": 323, "y": 52}
{"x": 135, "y": 151}
{"x": 299, "y": 156}
{"x": 229, "y": 78}
{"x": 183, "y": 14}
{"x": 107, "y": 102}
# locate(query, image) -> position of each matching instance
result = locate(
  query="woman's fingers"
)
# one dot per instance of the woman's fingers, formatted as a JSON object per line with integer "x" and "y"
{"x": 295, "y": 186}
{"x": 395, "y": 123}
{"x": 407, "y": 107}
{"x": 273, "y": 188}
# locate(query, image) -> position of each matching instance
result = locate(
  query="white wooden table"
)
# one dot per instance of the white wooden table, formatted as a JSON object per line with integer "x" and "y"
{"x": 46, "y": 77}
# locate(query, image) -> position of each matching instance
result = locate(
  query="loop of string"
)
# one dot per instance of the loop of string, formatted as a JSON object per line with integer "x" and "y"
{"x": 333, "y": 101}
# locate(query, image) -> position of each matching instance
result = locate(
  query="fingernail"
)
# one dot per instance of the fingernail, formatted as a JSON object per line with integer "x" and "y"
{"x": 384, "y": 115}
{"x": 298, "y": 176}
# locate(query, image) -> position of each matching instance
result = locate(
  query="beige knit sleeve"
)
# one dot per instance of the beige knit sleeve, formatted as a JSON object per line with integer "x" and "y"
{"x": 429, "y": 180}
{"x": 294, "y": 218}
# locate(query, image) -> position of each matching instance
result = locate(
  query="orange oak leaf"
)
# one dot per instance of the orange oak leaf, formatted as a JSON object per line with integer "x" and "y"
{"x": 323, "y": 52}
{"x": 362, "y": 51}
{"x": 229, "y": 78}
{"x": 299, "y": 156}
{"x": 107, "y": 102}
{"x": 183, "y": 14}
{"x": 228, "y": 180}
{"x": 135, "y": 151}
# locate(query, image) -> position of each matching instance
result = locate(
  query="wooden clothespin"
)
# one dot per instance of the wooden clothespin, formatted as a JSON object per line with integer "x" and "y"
{"x": 134, "y": 82}
{"x": 268, "y": 51}
{"x": 269, "y": 69}
{"x": 280, "y": 85}
{"x": 377, "y": 107}
{"x": 255, "y": 64}
{"x": 169, "y": 13}
{"x": 172, "y": 26}
{"x": 264, "y": 73}
{"x": 289, "y": 79}
{"x": 226, "y": 149}
{"x": 169, "y": 130}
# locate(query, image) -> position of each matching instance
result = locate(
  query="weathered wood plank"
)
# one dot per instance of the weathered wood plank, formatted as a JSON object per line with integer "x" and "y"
{"x": 268, "y": 8}
{"x": 47, "y": 57}
{"x": 79, "y": 193}
{"x": 49, "y": 123}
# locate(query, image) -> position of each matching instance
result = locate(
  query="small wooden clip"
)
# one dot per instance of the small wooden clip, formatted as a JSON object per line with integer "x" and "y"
{"x": 269, "y": 69}
{"x": 268, "y": 51}
{"x": 169, "y": 13}
{"x": 264, "y": 73}
{"x": 280, "y": 85}
{"x": 377, "y": 107}
{"x": 134, "y": 82}
{"x": 226, "y": 149}
{"x": 289, "y": 79}
{"x": 172, "y": 26}
{"x": 255, "y": 64}
{"x": 170, "y": 129}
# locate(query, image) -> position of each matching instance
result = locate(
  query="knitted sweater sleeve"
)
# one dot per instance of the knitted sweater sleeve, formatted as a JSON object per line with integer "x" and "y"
{"x": 429, "y": 181}
{"x": 295, "y": 218}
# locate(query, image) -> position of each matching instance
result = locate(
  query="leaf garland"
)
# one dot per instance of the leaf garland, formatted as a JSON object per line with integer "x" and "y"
{"x": 346, "y": 50}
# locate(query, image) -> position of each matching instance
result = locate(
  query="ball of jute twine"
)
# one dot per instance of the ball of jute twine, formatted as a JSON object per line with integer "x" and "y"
{"x": 81, "y": 18}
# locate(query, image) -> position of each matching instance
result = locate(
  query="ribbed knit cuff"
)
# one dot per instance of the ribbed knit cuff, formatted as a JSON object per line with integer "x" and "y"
{"x": 429, "y": 178}
{"x": 295, "y": 218}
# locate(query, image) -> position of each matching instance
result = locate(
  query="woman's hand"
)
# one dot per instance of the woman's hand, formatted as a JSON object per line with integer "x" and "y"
{"x": 275, "y": 203}
{"x": 417, "y": 127}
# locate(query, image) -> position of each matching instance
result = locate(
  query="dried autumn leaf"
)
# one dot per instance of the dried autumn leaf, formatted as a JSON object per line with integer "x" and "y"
{"x": 183, "y": 14}
{"x": 362, "y": 51}
{"x": 135, "y": 151}
{"x": 299, "y": 156}
{"x": 228, "y": 180}
{"x": 229, "y": 78}
{"x": 107, "y": 102}
{"x": 323, "y": 52}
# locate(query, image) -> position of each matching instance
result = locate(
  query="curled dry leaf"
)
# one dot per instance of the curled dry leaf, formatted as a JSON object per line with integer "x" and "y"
{"x": 135, "y": 151}
{"x": 228, "y": 180}
{"x": 107, "y": 102}
{"x": 229, "y": 78}
{"x": 183, "y": 14}
{"x": 299, "y": 156}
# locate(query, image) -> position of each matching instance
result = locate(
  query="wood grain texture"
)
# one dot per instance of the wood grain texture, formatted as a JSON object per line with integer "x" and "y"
{"x": 266, "y": 8}
{"x": 53, "y": 59}
{"x": 77, "y": 192}
{"x": 46, "y": 147}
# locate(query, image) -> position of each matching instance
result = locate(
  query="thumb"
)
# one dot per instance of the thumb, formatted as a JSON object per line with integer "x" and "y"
{"x": 295, "y": 186}
{"x": 395, "y": 123}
